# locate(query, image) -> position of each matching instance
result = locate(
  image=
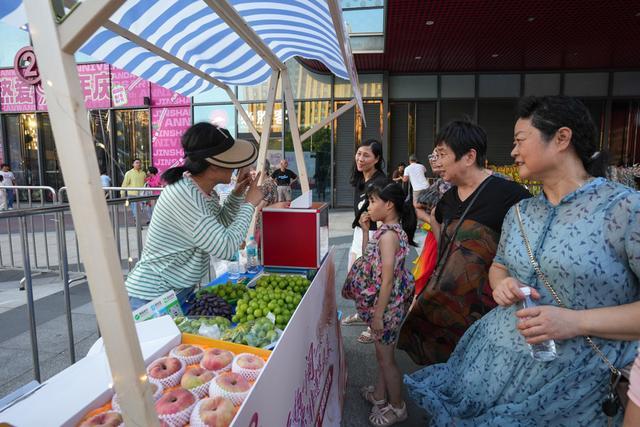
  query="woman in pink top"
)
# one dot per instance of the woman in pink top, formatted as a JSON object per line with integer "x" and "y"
{"x": 632, "y": 414}
{"x": 152, "y": 180}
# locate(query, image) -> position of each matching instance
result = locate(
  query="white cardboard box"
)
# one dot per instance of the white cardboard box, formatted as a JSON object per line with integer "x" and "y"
{"x": 65, "y": 398}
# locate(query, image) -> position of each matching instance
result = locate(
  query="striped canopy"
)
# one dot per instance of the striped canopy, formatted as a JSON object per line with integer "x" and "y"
{"x": 193, "y": 33}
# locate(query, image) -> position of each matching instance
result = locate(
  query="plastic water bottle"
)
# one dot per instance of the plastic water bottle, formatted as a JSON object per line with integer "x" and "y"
{"x": 234, "y": 267}
{"x": 545, "y": 351}
{"x": 252, "y": 256}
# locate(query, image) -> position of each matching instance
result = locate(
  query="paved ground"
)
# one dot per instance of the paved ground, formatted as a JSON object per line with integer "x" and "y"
{"x": 15, "y": 343}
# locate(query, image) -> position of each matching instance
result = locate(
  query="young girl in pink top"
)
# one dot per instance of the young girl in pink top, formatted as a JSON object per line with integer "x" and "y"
{"x": 152, "y": 180}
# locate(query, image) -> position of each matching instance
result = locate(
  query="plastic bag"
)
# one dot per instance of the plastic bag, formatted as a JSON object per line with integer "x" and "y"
{"x": 211, "y": 331}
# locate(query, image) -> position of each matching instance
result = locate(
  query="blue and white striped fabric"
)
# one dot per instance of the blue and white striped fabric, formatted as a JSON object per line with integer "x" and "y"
{"x": 192, "y": 32}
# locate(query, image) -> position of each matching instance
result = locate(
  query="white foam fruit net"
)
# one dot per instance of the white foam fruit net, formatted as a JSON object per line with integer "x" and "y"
{"x": 180, "y": 418}
{"x": 196, "y": 420}
{"x": 222, "y": 370}
{"x": 189, "y": 360}
{"x": 216, "y": 388}
{"x": 173, "y": 379}
{"x": 249, "y": 374}
{"x": 115, "y": 403}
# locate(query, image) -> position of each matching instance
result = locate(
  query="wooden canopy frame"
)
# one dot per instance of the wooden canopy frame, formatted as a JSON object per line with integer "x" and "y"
{"x": 55, "y": 44}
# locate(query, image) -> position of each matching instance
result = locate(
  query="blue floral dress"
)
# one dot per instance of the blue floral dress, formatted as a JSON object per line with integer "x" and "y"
{"x": 365, "y": 277}
{"x": 589, "y": 248}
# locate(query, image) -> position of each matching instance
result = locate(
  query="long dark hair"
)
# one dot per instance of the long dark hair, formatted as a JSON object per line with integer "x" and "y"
{"x": 394, "y": 193}
{"x": 357, "y": 177}
{"x": 198, "y": 137}
{"x": 550, "y": 113}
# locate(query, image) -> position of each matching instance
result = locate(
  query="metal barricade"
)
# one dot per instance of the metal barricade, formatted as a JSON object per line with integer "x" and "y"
{"x": 64, "y": 235}
{"x": 126, "y": 219}
{"x": 43, "y": 227}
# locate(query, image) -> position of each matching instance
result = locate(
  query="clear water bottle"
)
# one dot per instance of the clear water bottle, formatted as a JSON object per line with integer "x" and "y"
{"x": 253, "y": 265}
{"x": 234, "y": 267}
{"x": 543, "y": 352}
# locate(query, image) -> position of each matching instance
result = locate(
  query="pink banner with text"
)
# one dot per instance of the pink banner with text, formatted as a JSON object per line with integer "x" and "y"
{"x": 15, "y": 95}
{"x": 161, "y": 97}
{"x": 128, "y": 90}
{"x": 94, "y": 81}
{"x": 168, "y": 125}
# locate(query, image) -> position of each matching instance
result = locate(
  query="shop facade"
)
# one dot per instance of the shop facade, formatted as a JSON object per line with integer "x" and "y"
{"x": 133, "y": 118}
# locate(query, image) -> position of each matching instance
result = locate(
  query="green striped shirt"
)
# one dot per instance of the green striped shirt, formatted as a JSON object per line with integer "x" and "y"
{"x": 187, "y": 227}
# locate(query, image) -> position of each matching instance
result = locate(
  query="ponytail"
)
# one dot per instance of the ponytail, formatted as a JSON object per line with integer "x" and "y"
{"x": 406, "y": 212}
{"x": 173, "y": 175}
{"x": 597, "y": 164}
{"x": 194, "y": 167}
{"x": 409, "y": 220}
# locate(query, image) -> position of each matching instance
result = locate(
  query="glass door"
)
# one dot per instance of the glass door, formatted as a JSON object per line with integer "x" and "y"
{"x": 131, "y": 141}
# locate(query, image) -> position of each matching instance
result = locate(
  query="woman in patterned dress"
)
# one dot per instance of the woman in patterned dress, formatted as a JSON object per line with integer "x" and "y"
{"x": 584, "y": 232}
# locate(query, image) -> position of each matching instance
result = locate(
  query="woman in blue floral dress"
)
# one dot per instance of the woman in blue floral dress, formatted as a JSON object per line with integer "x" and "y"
{"x": 383, "y": 288}
{"x": 585, "y": 234}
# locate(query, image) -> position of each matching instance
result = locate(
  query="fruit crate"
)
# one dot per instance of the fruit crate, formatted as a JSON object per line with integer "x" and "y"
{"x": 205, "y": 343}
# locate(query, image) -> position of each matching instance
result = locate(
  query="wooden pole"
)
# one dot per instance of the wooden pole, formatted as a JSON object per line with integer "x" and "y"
{"x": 295, "y": 131}
{"x": 268, "y": 118}
{"x": 264, "y": 139}
{"x": 328, "y": 119}
{"x": 90, "y": 216}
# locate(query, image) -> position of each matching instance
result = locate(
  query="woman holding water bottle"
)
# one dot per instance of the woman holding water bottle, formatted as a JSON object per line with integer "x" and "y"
{"x": 189, "y": 223}
{"x": 576, "y": 247}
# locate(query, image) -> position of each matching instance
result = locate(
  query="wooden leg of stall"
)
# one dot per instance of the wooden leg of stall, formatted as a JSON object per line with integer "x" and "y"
{"x": 90, "y": 216}
{"x": 264, "y": 137}
{"x": 295, "y": 131}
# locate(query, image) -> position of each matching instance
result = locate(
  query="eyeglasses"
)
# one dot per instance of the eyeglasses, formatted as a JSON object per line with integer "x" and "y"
{"x": 433, "y": 157}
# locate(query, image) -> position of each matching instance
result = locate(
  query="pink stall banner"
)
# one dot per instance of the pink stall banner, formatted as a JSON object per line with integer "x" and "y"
{"x": 304, "y": 380}
{"x": 161, "y": 97}
{"x": 128, "y": 90}
{"x": 15, "y": 95}
{"x": 168, "y": 125}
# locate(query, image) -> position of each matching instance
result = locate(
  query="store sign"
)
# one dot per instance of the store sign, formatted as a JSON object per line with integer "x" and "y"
{"x": 94, "y": 81}
{"x": 168, "y": 125}
{"x": 305, "y": 379}
{"x": 15, "y": 94}
{"x": 26, "y": 67}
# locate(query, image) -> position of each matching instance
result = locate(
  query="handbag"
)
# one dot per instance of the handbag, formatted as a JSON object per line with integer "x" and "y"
{"x": 618, "y": 383}
{"x": 445, "y": 250}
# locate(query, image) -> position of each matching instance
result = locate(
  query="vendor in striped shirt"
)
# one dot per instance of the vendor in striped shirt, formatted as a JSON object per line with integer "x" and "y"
{"x": 188, "y": 223}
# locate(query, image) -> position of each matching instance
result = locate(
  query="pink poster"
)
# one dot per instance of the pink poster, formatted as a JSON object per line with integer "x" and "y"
{"x": 128, "y": 90}
{"x": 161, "y": 97}
{"x": 41, "y": 100}
{"x": 94, "y": 80}
{"x": 168, "y": 125}
{"x": 15, "y": 95}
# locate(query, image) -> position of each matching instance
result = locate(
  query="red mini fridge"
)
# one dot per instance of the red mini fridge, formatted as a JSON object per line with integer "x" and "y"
{"x": 295, "y": 238}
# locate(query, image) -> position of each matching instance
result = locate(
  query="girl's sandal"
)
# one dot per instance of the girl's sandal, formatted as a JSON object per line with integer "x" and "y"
{"x": 366, "y": 337}
{"x": 387, "y": 415}
{"x": 367, "y": 394}
{"x": 352, "y": 320}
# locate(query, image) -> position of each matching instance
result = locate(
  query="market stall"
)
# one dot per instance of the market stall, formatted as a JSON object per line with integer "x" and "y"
{"x": 142, "y": 37}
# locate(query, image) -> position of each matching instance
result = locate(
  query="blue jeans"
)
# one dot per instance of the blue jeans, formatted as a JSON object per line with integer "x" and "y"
{"x": 182, "y": 296}
{"x": 11, "y": 197}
